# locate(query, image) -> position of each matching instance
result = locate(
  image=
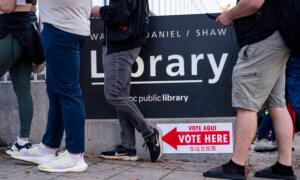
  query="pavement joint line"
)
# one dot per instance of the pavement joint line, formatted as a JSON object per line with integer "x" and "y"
{"x": 121, "y": 172}
{"x": 171, "y": 171}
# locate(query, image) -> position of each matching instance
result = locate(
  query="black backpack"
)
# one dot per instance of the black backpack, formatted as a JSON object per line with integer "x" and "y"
{"x": 289, "y": 22}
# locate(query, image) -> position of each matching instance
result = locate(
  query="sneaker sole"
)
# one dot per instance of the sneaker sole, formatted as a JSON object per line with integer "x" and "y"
{"x": 35, "y": 160}
{"x": 124, "y": 158}
{"x": 75, "y": 169}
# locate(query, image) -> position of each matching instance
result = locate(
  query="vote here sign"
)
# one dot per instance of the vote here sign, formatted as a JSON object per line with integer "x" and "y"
{"x": 197, "y": 138}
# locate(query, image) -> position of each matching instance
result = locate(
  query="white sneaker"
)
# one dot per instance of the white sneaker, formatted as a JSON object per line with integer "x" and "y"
{"x": 37, "y": 154}
{"x": 265, "y": 146}
{"x": 65, "y": 162}
{"x": 17, "y": 146}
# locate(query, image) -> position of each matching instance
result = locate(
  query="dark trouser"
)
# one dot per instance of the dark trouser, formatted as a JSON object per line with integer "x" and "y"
{"x": 66, "y": 108}
{"x": 293, "y": 83}
{"x": 12, "y": 60}
{"x": 265, "y": 128}
{"x": 117, "y": 69}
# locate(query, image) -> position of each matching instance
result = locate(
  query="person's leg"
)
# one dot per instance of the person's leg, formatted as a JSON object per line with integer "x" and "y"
{"x": 284, "y": 136}
{"x": 20, "y": 72}
{"x": 55, "y": 127}
{"x": 127, "y": 131}
{"x": 246, "y": 126}
{"x": 11, "y": 51}
{"x": 293, "y": 82}
{"x": 20, "y": 75}
{"x": 117, "y": 69}
{"x": 283, "y": 125}
{"x": 281, "y": 118}
{"x": 62, "y": 52}
{"x": 265, "y": 127}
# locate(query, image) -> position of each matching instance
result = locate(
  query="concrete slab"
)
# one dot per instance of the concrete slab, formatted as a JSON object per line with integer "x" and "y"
{"x": 140, "y": 173}
{"x": 97, "y": 171}
{"x": 188, "y": 175}
{"x": 31, "y": 174}
{"x": 195, "y": 167}
{"x": 14, "y": 166}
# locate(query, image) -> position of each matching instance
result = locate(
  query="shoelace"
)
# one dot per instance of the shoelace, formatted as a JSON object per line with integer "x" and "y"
{"x": 62, "y": 156}
{"x": 63, "y": 159}
{"x": 34, "y": 150}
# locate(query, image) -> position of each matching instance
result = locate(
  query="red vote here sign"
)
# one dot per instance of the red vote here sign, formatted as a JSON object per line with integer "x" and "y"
{"x": 197, "y": 138}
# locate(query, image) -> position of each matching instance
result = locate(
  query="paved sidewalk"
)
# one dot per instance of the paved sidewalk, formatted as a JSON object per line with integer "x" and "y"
{"x": 141, "y": 170}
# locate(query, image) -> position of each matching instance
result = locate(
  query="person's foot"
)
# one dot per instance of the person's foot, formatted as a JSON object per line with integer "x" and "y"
{"x": 265, "y": 146}
{"x": 17, "y": 146}
{"x": 37, "y": 154}
{"x": 120, "y": 153}
{"x": 277, "y": 171}
{"x": 154, "y": 144}
{"x": 65, "y": 162}
{"x": 229, "y": 170}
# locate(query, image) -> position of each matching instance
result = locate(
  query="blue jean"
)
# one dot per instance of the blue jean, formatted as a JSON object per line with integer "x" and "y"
{"x": 293, "y": 82}
{"x": 265, "y": 128}
{"x": 66, "y": 108}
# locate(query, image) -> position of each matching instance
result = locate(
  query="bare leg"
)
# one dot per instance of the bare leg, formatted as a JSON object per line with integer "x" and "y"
{"x": 246, "y": 126}
{"x": 283, "y": 127}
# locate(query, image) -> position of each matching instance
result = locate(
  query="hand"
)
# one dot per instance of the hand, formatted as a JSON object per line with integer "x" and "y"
{"x": 224, "y": 19}
{"x": 96, "y": 11}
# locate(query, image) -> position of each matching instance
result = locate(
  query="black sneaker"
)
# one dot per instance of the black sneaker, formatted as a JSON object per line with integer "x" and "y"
{"x": 16, "y": 148}
{"x": 120, "y": 153}
{"x": 154, "y": 144}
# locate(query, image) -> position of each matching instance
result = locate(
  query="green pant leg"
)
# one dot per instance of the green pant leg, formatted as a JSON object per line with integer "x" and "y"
{"x": 20, "y": 75}
{"x": 20, "y": 72}
{"x": 11, "y": 51}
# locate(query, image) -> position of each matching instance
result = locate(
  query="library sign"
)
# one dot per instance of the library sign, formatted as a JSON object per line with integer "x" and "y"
{"x": 184, "y": 71}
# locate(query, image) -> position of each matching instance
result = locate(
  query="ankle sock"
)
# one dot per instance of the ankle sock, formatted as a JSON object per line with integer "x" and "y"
{"x": 233, "y": 168}
{"x": 281, "y": 169}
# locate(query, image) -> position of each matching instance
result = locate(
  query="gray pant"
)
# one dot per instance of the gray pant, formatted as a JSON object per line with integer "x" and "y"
{"x": 117, "y": 69}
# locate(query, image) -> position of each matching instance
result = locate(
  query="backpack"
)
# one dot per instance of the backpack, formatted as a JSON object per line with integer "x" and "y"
{"x": 289, "y": 22}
